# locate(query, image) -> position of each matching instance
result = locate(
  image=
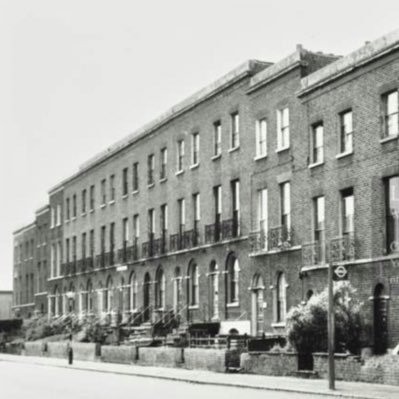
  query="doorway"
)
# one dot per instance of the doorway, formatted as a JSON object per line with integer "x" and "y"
{"x": 380, "y": 320}
{"x": 257, "y": 296}
{"x": 146, "y": 297}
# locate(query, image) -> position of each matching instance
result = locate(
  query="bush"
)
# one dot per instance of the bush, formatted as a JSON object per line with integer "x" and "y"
{"x": 307, "y": 323}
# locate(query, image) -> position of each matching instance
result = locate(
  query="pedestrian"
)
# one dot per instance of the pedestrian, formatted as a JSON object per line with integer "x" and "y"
{"x": 70, "y": 350}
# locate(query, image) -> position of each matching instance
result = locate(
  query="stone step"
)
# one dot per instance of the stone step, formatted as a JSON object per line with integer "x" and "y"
{"x": 308, "y": 374}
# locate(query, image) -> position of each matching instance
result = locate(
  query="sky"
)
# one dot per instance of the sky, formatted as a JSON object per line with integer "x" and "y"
{"x": 78, "y": 75}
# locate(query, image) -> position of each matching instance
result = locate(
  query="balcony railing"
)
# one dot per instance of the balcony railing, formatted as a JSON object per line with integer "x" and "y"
{"x": 313, "y": 253}
{"x": 280, "y": 238}
{"x": 230, "y": 228}
{"x": 213, "y": 233}
{"x": 147, "y": 247}
{"x": 258, "y": 241}
{"x": 343, "y": 248}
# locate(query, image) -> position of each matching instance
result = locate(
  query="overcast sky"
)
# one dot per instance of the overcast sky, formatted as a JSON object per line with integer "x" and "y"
{"x": 78, "y": 75}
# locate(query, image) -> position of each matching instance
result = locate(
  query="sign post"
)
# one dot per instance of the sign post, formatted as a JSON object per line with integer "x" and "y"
{"x": 331, "y": 329}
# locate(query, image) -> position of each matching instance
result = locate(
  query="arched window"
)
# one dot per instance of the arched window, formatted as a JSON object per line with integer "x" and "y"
{"x": 192, "y": 285}
{"x": 121, "y": 303}
{"x": 71, "y": 298}
{"x": 214, "y": 289}
{"x": 281, "y": 298}
{"x": 160, "y": 285}
{"x": 108, "y": 295}
{"x": 89, "y": 296}
{"x": 82, "y": 302}
{"x": 233, "y": 278}
{"x": 133, "y": 292}
{"x": 177, "y": 290}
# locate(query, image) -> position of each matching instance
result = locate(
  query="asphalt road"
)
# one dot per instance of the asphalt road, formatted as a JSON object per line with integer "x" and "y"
{"x": 20, "y": 381}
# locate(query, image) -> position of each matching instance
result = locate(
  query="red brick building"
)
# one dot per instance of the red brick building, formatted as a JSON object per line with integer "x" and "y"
{"x": 230, "y": 206}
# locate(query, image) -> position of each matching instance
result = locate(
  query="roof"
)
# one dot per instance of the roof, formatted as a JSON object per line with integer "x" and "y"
{"x": 24, "y": 229}
{"x": 248, "y": 68}
{"x": 42, "y": 209}
{"x": 367, "y": 53}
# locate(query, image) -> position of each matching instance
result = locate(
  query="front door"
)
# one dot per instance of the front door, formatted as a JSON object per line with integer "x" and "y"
{"x": 146, "y": 298}
{"x": 214, "y": 285}
{"x": 380, "y": 322}
{"x": 257, "y": 312}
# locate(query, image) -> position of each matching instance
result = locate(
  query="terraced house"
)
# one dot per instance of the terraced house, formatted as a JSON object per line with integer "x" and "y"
{"x": 230, "y": 206}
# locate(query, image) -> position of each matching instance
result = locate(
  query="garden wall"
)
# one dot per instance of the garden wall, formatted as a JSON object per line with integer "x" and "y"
{"x": 35, "y": 348}
{"x": 118, "y": 354}
{"x": 160, "y": 356}
{"x": 270, "y": 363}
{"x": 347, "y": 367}
{"x": 86, "y": 351}
{"x": 57, "y": 349}
{"x": 376, "y": 369}
{"x": 205, "y": 359}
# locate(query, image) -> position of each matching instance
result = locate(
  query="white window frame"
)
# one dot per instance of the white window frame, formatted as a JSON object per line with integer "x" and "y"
{"x": 261, "y": 138}
{"x": 195, "y": 148}
{"x": 283, "y": 129}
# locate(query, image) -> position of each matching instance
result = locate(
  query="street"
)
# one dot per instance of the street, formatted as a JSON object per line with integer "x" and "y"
{"x": 19, "y": 381}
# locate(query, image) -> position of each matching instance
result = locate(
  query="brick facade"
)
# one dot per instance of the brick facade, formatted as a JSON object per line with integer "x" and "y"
{"x": 277, "y": 267}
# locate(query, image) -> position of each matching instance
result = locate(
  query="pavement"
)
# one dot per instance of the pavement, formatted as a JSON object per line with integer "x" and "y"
{"x": 317, "y": 387}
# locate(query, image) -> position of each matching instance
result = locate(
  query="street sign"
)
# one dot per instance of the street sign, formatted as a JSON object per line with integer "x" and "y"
{"x": 340, "y": 273}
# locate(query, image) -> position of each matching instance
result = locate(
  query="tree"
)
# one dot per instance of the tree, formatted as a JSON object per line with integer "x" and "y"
{"x": 307, "y": 323}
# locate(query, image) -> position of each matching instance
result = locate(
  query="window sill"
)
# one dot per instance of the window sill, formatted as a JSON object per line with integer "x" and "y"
{"x": 73, "y": 219}
{"x": 280, "y": 324}
{"x": 216, "y": 157}
{"x": 102, "y": 206}
{"x": 193, "y": 307}
{"x": 135, "y": 192}
{"x": 260, "y": 157}
{"x": 83, "y": 214}
{"x": 163, "y": 180}
{"x": 316, "y": 164}
{"x": 194, "y": 166}
{"x": 234, "y": 149}
{"x": 179, "y": 172}
{"x": 150, "y": 185}
{"x": 233, "y": 305}
{"x": 112, "y": 202}
{"x": 282, "y": 149}
{"x": 389, "y": 138}
{"x": 124, "y": 196}
{"x": 344, "y": 154}
{"x": 91, "y": 211}
{"x": 65, "y": 221}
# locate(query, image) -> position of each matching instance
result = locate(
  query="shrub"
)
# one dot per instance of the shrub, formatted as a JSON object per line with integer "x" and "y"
{"x": 307, "y": 323}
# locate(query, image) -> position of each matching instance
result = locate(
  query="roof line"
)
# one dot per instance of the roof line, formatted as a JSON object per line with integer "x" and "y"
{"x": 24, "y": 228}
{"x": 365, "y": 54}
{"x": 245, "y": 69}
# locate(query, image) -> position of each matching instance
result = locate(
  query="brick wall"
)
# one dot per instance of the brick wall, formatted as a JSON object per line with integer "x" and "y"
{"x": 276, "y": 364}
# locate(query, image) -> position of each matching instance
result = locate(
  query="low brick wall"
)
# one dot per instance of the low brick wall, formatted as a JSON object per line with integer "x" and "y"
{"x": 57, "y": 349}
{"x": 381, "y": 370}
{"x": 35, "y": 348}
{"x": 160, "y": 356}
{"x": 347, "y": 367}
{"x": 118, "y": 354}
{"x": 205, "y": 359}
{"x": 86, "y": 351}
{"x": 270, "y": 363}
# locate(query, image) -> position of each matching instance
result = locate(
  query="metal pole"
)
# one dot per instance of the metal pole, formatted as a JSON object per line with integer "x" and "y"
{"x": 331, "y": 329}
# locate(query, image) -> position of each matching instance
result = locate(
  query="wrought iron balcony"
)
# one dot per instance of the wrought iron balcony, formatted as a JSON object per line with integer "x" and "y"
{"x": 313, "y": 253}
{"x": 343, "y": 248}
{"x": 280, "y": 238}
{"x": 258, "y": 241}
{"x": 102, "y": 260}
{"x": 213, "y": 233}
{"x": 148, "y": 247}
{"x": 230, "y": 228}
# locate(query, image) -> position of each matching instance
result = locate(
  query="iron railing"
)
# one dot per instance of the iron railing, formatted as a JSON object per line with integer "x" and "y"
{"x": 343, "y": 248}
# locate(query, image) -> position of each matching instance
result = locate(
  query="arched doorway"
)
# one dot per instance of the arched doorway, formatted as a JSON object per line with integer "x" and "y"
{"x": 380, "y": 320}
{"x": 177, "y": 291}
{"x": 146, "y": 297}
{"x": 257, "y": 298}
{"x": 214, "y": 290}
